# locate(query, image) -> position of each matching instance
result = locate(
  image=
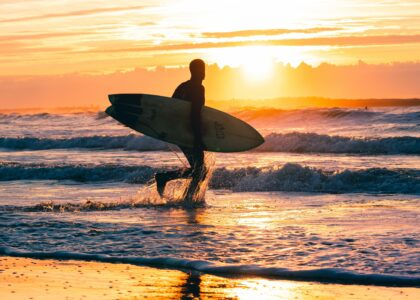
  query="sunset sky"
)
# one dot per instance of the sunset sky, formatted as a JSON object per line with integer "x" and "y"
{"x": 43, "y": 40}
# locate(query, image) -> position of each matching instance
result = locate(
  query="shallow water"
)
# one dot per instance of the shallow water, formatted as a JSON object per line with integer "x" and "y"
{"x": 335, "y": 193}
{"x": 369, "y": 234}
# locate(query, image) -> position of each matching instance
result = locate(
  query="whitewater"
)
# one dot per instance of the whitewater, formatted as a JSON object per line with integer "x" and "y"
{"x": 331, "y": 196}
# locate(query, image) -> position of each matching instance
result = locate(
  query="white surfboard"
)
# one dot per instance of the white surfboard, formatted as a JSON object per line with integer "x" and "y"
{"x": 168, "y": 119}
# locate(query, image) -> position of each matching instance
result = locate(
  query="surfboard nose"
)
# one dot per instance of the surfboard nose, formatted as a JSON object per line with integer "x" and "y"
{"x": 260, "y": 139}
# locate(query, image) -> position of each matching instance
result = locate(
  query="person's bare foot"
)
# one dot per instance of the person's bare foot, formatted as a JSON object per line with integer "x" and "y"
{"x": 160, "y": 183}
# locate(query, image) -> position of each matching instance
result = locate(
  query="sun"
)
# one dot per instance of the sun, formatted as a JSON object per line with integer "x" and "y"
{"x": 255, "y": 62}
{"x": 257, "y": 66}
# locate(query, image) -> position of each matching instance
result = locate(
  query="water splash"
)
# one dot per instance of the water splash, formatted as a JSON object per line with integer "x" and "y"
{"x": 146, "y": 197}
{"x": 176, "y": 190}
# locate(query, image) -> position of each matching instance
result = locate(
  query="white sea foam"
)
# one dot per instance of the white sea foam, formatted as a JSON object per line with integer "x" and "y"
{"x": 128, "y": 142}
{"x": 288, "y": 177}
{"x": 319, "y": 143}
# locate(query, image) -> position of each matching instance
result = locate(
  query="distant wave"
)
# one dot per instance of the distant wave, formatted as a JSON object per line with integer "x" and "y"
{"x": 36, "y": 117}
{"x": 289, "y": 177}
{"x": 272, "y": 115}
{"x": 276, "y": 142}
{"x": 326, "y": 275}
{"x": 17, "y": 116}
{"x": 276, "y": 115}
{"x": 32, "y": 115}
{"x": 254, "y": 114}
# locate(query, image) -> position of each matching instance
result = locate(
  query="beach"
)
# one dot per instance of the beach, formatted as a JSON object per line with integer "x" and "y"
{"x": 23, "y": 278}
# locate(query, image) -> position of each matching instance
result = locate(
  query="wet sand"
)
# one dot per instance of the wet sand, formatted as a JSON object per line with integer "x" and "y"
{"x": 22, "y": 278}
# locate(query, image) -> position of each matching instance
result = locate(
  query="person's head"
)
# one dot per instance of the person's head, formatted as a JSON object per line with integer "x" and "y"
{"x": 198, "y": 69}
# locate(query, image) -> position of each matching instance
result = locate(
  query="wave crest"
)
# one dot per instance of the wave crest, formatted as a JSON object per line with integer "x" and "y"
{"x": 294, "y": 142}
{"x": 127, "y": 142}
{"x": 328, "y": 115}
{"x": 298, "y": 178}
{"x": 78, "y": 173}
{"x": 289, "y": 177}
{"x": 318, "y": 143}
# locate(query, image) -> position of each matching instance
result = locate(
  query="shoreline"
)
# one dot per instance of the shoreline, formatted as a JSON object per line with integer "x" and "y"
{"x": 26, "y": 278}
{"x": 322, "y": 276}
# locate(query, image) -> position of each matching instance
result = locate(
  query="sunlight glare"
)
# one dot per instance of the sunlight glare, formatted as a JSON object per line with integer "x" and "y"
{"x": 256, "y": 63}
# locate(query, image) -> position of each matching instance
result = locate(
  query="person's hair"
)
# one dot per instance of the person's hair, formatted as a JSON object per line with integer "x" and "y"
{"x": 196, "y": 65}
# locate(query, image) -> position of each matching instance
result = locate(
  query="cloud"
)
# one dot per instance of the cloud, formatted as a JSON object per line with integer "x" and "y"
{"x": 265, "y": 32}
{"x": 72, "y": 14}
{"x": 40, "y": 36}
{"x": 398, "y": 80}
{"x": 17, "y": 49}
{"x": 320, "y": 41}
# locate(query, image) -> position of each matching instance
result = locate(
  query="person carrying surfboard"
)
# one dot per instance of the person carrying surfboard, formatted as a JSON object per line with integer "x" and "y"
{"x": 192, "y": 91}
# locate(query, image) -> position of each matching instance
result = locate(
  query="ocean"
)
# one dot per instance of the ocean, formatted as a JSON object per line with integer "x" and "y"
{"x": 333, "y": 195}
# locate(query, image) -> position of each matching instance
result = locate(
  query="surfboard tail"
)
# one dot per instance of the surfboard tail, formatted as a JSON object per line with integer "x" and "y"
{"x": 127, "y": 99}
{"x": 110, "y": 111}
{"x": 112, "y": 99}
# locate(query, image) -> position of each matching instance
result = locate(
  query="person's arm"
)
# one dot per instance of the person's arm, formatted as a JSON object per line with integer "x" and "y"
{"x": 177, "y": 92}
{"x": 196, "y": 107}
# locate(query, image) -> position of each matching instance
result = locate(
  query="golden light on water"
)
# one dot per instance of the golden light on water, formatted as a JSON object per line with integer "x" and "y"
{"x": 26, "y": 278}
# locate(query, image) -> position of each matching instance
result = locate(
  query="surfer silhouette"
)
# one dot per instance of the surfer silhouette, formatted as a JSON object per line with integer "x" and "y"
{"x": 191, "y": 91}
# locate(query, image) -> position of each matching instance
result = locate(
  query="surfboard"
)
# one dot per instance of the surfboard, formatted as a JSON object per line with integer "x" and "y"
{"x": 168, "y": 119}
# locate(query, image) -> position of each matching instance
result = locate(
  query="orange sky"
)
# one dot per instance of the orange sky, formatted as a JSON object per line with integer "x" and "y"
{"x": 41, "y": 41}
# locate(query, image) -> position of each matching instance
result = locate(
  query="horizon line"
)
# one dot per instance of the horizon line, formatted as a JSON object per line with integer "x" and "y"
{"x": 97, "y": 108}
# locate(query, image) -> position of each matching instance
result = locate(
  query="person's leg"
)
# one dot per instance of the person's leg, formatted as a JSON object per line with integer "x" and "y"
{"x": 198, "y": 174}
{"x": 189, "y": 154}
{"x": 163, "y": 177}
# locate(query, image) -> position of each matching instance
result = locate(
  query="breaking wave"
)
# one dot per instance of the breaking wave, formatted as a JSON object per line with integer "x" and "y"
{"x": 317, "y": 143}
{"x": 326, "y": 275}
{"x": 297, "y": 178}
{"x": 78, "y": 173}
{"x": 288, "y": 177}
{"x": 126, "y": 142}
{"x": 290, "y": 142}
